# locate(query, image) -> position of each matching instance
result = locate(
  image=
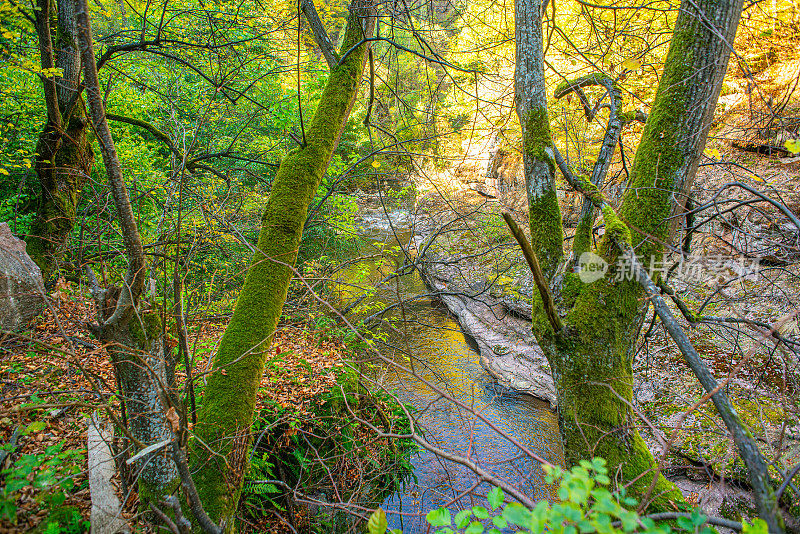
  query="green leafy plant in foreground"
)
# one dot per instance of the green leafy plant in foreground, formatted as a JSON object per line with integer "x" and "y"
{"x": 51, "y": 472}
{"x": 585, "y": 505}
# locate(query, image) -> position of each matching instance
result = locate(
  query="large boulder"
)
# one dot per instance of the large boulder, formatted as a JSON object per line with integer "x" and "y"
{"x": 21, "y": 284}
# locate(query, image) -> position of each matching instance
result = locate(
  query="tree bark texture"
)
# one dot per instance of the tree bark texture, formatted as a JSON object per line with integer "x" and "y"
{"x": 591, "y": 358}
{"x": 220, "y": 450}
{"x": 64, "y": 150}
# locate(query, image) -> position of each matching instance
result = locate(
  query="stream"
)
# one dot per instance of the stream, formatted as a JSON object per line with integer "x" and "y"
{"x": 444, "y": 356}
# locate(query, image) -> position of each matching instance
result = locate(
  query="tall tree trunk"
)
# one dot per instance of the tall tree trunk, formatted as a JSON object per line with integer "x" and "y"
{"x": 132, "y": 328}
{"x": 591, "y": 357}
{"x": 64, "y": 150}
{"x": 219, "y": 454}
{"x": 537, "y": 143}
{"x": 63, "y": 163}
{"x": 141, "y": 364}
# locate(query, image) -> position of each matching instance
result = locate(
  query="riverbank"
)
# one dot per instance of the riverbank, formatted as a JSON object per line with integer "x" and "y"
{"x": 490, "y": 292}
{"x": 508, "y": 351}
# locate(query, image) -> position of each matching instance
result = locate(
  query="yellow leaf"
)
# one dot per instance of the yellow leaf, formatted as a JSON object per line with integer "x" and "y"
{"x": 377, "y": 523}
{"x": 757, "y": 178}
{"x": 713, "y": 154}
{"x": 631, "y": 64}
{"x": 376, "y": 164}
{"x": 793, "y": 145}
{"x": 3, "y": 171}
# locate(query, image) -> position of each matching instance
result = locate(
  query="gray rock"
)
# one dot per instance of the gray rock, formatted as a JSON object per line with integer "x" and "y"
{"x": 508, "y": 350}
{"x": 21, "y": 284}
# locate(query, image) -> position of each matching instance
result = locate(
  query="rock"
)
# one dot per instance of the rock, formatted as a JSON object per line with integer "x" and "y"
{"x": 508, "y": 350}
{"x": 21, "y": 284}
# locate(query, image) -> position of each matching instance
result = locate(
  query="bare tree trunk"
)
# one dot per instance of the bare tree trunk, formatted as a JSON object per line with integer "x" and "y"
{"x": 127, "y": 322}
{"x": 64, "y": 153}
{"x": 219, "y": 455}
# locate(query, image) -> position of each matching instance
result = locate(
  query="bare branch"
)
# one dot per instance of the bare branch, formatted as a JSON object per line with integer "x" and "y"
{"x": 320, "y": 35}
{"x": 135, "y": 276}
{"x": 538, "y": 275}
{"x": 756, "y": 466}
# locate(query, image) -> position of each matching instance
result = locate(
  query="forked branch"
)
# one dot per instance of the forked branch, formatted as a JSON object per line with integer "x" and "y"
{"x": 320, "y": 35}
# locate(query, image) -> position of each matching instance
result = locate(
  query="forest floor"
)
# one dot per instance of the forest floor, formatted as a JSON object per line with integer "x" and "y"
{"x": 50, "y": 386}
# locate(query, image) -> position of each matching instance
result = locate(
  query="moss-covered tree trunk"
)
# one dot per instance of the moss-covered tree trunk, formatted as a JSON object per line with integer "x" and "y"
{"x": 591, "y": 357}
{"x": 537, "y": 144}
{"x": 64, "y": 150}
{"x": 220, "y": 451}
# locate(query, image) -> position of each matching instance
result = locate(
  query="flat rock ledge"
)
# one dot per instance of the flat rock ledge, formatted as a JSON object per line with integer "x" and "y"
{"x": 508, "y": 350}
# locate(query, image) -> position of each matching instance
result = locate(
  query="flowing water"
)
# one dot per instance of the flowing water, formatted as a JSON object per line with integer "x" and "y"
{"x": 442, "y": 355}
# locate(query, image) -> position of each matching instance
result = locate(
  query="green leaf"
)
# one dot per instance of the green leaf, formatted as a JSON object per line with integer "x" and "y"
{"x": 685, "y": 523}
{"x": 462, "y": 518}
{"x": 36, "y": 426}
{"x": 697, "y": 518}
{"x": 539, "y": 517}
{"x": 480, "y": 512}
{"x": 499, "y": 521}
{"x": 631, "y": 64}
{"x": 474, "y": 528}
{"x": 759, "y": 526}
{"x": 495, "y": 497}
{"x": 516, "y": 514}
{"x": 439, "y": 518}
{"x": 377, "y": 522}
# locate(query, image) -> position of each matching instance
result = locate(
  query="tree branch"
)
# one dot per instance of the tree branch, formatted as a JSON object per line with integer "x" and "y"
{"x": 158, "y": 134}
{"x": 42, "y": 15}
{"x": 320, "y": 35}
{"x": 748, "y": 450}
{"x": 136, "y": 272}
{"x": 536, "y": 269}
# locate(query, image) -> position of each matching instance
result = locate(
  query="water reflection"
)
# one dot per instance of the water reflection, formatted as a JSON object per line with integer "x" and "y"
{"x": 442, "y": 355}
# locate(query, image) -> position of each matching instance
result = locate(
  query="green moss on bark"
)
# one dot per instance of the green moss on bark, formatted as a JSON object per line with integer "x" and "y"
{"x": 229, "y": 400}
{"x": 544, "y": 210}
{"x": 63, "y": 165}
{"x": 616, "y": 230}
{"x": 662, "y": 153}
{"x": 594, "y": 382}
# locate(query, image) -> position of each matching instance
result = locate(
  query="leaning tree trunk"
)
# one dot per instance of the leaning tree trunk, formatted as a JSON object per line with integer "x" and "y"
{"x": 219, "y": 454}
{"x": 64, "y": 151}
{"x": 668, "y": 154}
{"x": 130, "y": 326}
{"x": 591, "y": 356}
